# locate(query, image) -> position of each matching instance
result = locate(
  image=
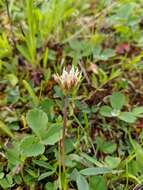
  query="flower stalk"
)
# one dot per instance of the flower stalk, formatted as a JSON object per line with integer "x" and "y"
{"x": 64, "y": 133}
{"x": 67, "y": 82}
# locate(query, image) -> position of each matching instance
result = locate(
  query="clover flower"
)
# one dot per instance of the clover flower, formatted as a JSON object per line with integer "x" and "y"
{"x": 69, "y": 79}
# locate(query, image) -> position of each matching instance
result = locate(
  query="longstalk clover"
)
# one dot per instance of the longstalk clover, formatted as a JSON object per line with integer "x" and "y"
{"x": 67, "y": 81}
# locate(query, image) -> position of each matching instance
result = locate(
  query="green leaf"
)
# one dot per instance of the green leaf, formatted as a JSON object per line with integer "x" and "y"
{"x": 98, "y": 182}
{"x": 125, "y": 10}
{"x": 45, "y": 58}
{"x": 30, "y": 146}
{"x": 13, "y": 154}
{"x": 91, "y": 159}
{"x": 12, "y": 79}
{"x": 53, "y": 135}
{"x": 47, "y": 105}
{"x": 24, "y": 52}
{"x": 32, "y": 173}
{"x": 127, "y": 117}
{"x": 114, "y": 74}
{"x": 5, "y": 47}
{"x": 106, "y": 111}
{"x": 95, "y": 171}
{"x": 108, "y": 147}
{"x": 37, "y": 121}
{"x": 6, "y": 182}
{"x": 31, "y": 92}
{"x": 69, "y": 145}
{"x": 82, "y": 182}
{"x": 43, "y": 164}
{"x": 106, "y": 54}
{"x": 138, "y": 111}
{"x": 112, "y": 162}
{"x": 1, "y": 175}
{"x": 45, "y": 175}
{"x": 5, "y": 129}
{"x": 99, "y": 171}
{"x": 117, "y": 100}
{"x": 49, "y": 186}
{"x": 139, "y": 153}
{"x": 13, "y": 95}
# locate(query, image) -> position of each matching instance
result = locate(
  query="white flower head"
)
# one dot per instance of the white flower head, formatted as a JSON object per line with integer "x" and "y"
{"x": 69, "y": 79}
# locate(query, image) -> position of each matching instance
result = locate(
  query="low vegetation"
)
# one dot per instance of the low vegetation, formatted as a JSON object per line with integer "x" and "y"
{"x": 71, "y": 95}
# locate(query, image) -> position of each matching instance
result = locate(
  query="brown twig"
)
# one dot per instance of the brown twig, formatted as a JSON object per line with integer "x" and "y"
{"x": 84, "y": 72}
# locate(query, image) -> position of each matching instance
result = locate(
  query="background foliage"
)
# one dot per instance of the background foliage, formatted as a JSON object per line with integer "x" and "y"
{"x": 104, "y": 39}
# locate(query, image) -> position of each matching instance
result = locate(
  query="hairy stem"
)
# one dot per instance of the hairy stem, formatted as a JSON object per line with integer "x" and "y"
{"x": 59, "y": 158}
{"x": 64, "y": 134}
